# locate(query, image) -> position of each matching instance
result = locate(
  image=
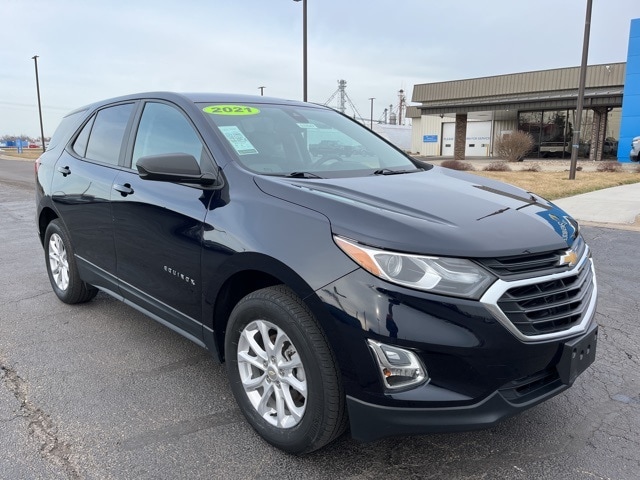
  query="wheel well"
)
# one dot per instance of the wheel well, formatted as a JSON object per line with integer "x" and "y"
{"x": 46, "y": 216}
{"x": 235, "y": 288}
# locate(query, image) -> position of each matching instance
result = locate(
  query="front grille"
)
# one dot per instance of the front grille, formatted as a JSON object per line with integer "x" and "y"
{"x": 531, "y": 264}
{"x": 550, "y": 306}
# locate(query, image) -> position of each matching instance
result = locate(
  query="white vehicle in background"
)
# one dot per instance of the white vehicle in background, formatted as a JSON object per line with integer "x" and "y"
{"x": 635, "y": 149}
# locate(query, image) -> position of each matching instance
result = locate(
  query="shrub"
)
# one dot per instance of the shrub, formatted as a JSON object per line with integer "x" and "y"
{"x": 457, "y": 165}
{"x": 609, "y": 167}
{"x": 497, "y": 167}
{"x": 513, "y": 147}
{"x": 534, "y": 167}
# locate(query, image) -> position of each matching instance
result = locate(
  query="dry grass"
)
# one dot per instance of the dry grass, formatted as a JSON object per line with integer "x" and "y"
{"x": 27, "y": 153}
{"x": 552, "y": 185}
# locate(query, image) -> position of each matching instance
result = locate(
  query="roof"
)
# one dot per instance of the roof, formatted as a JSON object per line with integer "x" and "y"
{"x": 196, "y": 97}
{"x": 548, "y": 89}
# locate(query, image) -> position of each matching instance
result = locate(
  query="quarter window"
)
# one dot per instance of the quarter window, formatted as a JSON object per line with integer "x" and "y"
{"x": 80, "y": 145}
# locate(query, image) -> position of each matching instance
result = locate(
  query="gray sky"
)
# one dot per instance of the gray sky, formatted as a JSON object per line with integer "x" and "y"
{"x": 90, "y": 50}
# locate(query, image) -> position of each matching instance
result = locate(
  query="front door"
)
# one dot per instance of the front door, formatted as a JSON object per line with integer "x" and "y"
{"x": 158, "y": 225}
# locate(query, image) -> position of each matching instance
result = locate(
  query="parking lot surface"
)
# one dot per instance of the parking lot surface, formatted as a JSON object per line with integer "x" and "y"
{"x": 99, "y": 391}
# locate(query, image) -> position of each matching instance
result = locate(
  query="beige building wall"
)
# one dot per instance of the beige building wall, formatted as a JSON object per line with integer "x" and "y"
{"x": 429, "y": 125}
{"x": 432, "y": 125}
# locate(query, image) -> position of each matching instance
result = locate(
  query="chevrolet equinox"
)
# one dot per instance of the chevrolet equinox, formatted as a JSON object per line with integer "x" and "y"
{"x": 342, "y": 282}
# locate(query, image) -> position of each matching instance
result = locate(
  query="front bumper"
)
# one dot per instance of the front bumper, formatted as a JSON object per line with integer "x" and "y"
{"x": 371, "y": 421}
{"x": 480, "y": 369}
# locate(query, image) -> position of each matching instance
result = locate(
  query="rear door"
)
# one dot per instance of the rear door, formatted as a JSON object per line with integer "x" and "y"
{"x": 158, "y": 225}
{"x": 81, "y": 190}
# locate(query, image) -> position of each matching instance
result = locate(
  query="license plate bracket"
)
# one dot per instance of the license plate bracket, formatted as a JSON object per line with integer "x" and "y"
{"x": 577, "y": 355}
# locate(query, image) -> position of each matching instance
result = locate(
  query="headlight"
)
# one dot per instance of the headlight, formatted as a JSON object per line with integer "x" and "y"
{"x": 449, "y": 276}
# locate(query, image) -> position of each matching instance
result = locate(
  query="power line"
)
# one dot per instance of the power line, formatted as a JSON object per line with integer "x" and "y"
{"x": 33, "y": 105}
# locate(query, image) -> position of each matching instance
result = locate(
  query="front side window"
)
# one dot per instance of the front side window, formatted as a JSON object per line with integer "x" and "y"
{"x": 106, "y": 135}
{"x": 163, "y": 129}
{"x": 287, "y": 139}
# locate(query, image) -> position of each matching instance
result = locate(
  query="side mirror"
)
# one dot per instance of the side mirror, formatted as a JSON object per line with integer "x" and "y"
{"x": 173, "y": 167}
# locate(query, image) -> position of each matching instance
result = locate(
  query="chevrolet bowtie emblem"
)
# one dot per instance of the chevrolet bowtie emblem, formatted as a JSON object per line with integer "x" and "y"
{"x": 570, "y": 258}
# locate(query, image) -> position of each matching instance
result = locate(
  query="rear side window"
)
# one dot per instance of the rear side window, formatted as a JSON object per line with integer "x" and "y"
{"x": 101, "y": 138}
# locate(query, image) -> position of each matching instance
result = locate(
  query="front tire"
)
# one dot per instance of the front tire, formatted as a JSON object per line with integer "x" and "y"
{"x": 282, "y": 371}
{"x": 62, "y": 268}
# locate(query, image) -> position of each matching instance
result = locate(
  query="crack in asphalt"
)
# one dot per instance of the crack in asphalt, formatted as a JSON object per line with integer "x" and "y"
{"x": 41, "y": 427}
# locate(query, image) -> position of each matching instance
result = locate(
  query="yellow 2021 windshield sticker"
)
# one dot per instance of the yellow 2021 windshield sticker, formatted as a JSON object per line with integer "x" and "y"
{"x": 231, "y": 110}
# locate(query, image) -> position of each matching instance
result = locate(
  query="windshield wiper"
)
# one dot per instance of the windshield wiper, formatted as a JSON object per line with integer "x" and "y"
{"x": 302, "y": 175}
{"x": 388, "y": 171}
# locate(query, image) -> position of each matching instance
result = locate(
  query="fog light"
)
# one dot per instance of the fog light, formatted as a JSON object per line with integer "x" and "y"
{"x": 399, "y": 368}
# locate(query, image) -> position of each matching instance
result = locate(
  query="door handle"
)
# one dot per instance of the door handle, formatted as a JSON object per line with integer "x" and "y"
{"x": 123, "y": 189}
{"x": 64, "y": 171}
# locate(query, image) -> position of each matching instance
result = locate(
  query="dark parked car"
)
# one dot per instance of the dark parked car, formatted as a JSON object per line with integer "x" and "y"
{"x": 342, "y": 281}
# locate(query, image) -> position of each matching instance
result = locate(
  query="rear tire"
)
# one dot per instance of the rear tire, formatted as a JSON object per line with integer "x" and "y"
{"x": 282, "y": 371}
{"x": 62, "y": 268}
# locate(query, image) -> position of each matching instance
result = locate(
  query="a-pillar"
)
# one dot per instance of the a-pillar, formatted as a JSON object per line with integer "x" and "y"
{"x": 460, "y": 141}
{"x": 598, "y": 132}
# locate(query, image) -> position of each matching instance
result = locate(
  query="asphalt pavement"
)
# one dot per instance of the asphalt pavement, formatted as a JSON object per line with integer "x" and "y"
{"x": 99, "y": 391}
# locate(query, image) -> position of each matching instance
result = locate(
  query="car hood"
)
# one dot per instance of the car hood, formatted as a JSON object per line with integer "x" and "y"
{"x": 435, "y": 212}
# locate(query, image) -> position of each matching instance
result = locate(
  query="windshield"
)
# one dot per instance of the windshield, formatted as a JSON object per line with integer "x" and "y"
{"x": 303, "y": 141}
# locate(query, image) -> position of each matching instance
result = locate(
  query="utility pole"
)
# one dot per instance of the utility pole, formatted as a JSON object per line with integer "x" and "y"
{"x": 304, "y": 49}
{"x": 575, "y": 144}
{"x": 35, "y": 60}
{"x": 371, "y": 123}
{"x": 261, "y": 91}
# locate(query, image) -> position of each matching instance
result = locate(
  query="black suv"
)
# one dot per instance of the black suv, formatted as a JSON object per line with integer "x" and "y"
{"x": 342, "y": 281}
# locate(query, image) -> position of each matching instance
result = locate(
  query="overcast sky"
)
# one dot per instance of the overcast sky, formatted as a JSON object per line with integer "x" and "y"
{"x": 91, "y": 50}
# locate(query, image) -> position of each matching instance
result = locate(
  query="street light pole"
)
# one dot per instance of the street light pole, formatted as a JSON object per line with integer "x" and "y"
{"x": 261, "y": 91}
{"x": 35, "y": 60}
{"x": 575, "y": 144}
{"x": 304, "y": 48}
{"x": 371, "y": 124}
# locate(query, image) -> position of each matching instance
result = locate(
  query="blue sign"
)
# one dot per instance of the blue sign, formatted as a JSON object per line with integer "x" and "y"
{"x": 430, "y": 138}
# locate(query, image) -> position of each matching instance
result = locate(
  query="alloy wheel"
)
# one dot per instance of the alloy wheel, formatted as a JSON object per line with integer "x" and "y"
{"x": 58, "y": 262}
{"x": 272, "y": 374}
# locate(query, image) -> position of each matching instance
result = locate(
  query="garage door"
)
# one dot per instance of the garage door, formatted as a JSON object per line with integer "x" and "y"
{"x": 478, "y": 139}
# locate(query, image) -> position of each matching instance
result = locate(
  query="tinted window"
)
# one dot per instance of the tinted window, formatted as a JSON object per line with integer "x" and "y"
{"x": 164, "y": 129}
{"x": 80, "y": 145}
{"x": 107, "y": 133}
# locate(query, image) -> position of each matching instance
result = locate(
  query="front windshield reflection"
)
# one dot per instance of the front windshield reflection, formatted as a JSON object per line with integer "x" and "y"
{"x": 303, "y": 141}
